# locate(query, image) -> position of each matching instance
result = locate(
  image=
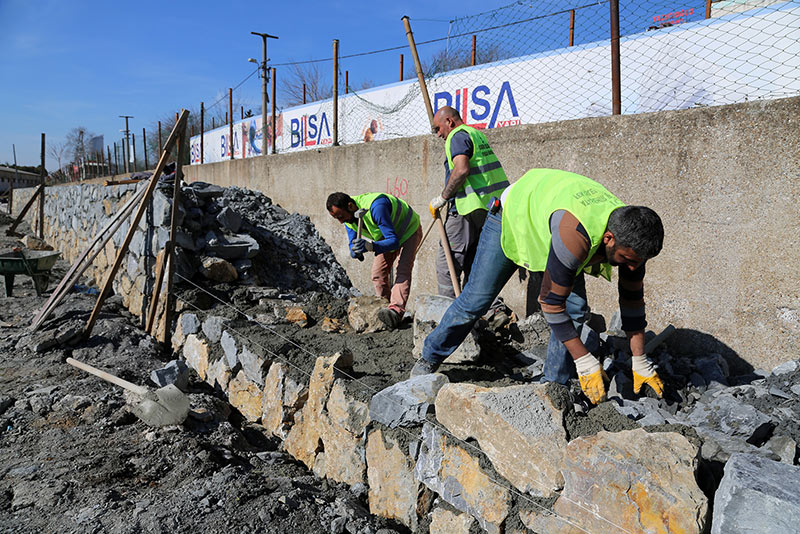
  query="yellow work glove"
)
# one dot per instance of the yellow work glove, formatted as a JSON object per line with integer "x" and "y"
{"x": 436, "y": 203}
{"x": 645, "y": 373}
{"x": 592, "y": 378}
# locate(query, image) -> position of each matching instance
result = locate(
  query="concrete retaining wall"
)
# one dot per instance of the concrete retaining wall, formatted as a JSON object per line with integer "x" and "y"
{"x": 723, "y": 179}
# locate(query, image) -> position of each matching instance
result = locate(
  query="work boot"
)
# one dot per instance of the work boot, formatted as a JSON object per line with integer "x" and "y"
{"x": 423, "y": 367}
{"x": 390, "y": 318}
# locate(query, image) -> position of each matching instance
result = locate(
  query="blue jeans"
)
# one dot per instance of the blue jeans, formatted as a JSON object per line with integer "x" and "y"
{"x": 558, "y": 366}
{"x": 491, "y": 269}
{"x": 490, "y": 272}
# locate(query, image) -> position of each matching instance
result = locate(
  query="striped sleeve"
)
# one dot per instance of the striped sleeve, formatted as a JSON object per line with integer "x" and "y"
{"x": 569, "y": 248}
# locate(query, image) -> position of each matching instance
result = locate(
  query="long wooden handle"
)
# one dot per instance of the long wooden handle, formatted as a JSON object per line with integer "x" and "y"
{"x": 108, "y": 377}
{"x": 425, "y": 235}
{"x": 448, "y": 254}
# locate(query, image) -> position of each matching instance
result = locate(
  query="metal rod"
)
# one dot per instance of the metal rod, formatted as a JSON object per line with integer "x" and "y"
{"x": 108, "y": 166}
{"x": 169, "y": 310}
{"x": 401, "y": 67}
{"x": 42, "y": 172}
{"x": 336, "y": 92}
{"x": 571, "y": 27}
{"x": 423, "y": 88}
{"x": 274, "y": 118}
{"x": 346, "y": 82}
{"x": 474, "y": 38}
{"x": 126, "y": 156}
{"x": 144, "y": 142}
{"x": 160, "y": 145}
{"x": 616, "y": 90}
{"x": 116, "y": 160}
{"x": 16, "y": 177}
{"x": 230, "y": 122}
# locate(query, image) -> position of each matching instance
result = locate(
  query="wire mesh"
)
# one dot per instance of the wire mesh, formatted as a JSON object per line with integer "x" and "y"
{"x": 544, "y": 61}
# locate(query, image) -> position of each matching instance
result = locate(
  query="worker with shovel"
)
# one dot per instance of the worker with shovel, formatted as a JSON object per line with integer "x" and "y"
{"x": 393, "y": 232}
{"x": 473, "y": 175}
{"x": 564, "y": 225}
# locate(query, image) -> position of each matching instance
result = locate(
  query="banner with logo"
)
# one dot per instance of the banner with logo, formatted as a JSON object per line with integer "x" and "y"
{"x": 672, "y": 68}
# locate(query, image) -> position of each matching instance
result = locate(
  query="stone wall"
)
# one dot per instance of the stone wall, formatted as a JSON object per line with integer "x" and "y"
{"x": 721, "y": 178}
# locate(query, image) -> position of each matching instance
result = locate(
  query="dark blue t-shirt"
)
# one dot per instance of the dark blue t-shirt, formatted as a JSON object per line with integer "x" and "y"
{"x": 460, "y": 145}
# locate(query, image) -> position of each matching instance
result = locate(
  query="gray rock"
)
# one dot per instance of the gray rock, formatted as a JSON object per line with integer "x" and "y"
{"x": 785, "y": 368}
{"x": 5, "y": 403}
{"x": 646, "y": 411}
{"x": 730, "y": 416}
{"x": 253, "y": 365}
{"x": 757, "y": 495}
{"x": 175, "y": 372}
{"x": 796, "y": 389}
{"x": 212, "y": 328}
{"x": 406, "y": 403}
{"x": 784, "y": 447}
{"x": 229, "y": 346}
{"x": 190, "y": 324}
{"x": 711, "y": 370}
{"x": 718, "y": 447}
{"x": 778, "y": 392}
{"x": 229, "y": 220}
{"x": 236, "y": 247}
{"x": 204, "y": 190}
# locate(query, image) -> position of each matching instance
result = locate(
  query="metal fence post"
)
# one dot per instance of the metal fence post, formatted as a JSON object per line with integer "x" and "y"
{"x": 401, "y": 67}
{"x": 144, "y": 142}
{"x": 230, "y": 122}
{"x": 616, "y": 89}
{"x": 41, "y": 195}
{"x": 336, "y": 92}
{"x": 274, "y": 118}
{"x": 202, "y": 130}
{"x": 571, "y": 27}
{"x": 474, "y": 38}
{"x": 133, "y": 140}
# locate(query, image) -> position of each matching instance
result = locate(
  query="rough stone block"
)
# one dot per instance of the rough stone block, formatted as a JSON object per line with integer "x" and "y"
{"x": 342, "y": 432}
{"x": 362, "y": 314}
{"x": 297, "y": 316}
{"x": 428, "y": 311}
{"x": 218, "y": 374}
{"x": 730, "y": 416}
{"x": 195, "y": 352}
{"x": 444, "y": 521}
{"x": 406, "y": 403}
{"x": 254, "y": 365}
{"x": 245, "y": 396}
{"x": 629, "y": 481}
{"x": 304, "y": 440}
{"x": 230, "y": 347}
{"x": 517, "y": 427}
{"x": 188, "y": 323}
{"x": 786, "y": 368}
{"x": 229, "y": 220}
{"x": 218, "y": 270}
{"x": 456, "y": 475}
{"x": 283, "y": 397}
{"x": 175, "y": 372}
{"x": 757, "y": 495}
{"x": 390, "y": 474}
{"x": 212, "y": 328}
{"x": 235, "y": 247}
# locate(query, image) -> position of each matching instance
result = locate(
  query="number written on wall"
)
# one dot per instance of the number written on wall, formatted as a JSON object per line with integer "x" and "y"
{"x": 397, "y": 188}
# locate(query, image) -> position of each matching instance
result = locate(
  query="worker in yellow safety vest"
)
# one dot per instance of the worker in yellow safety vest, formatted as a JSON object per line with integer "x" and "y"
{"x": 473, "y": 175}
{"x": 564, "y": 225}
{"x": 387, "y": 226}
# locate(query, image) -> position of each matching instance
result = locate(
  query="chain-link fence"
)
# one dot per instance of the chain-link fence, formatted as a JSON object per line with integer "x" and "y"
{"x": 528, "y": 63}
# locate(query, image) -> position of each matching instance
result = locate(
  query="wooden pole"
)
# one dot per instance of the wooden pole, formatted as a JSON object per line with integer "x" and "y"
{"x": 708, "y": 9}
{"x": 144, "y": 142}
{"x": 108, "y": 166}
{"x": 202, "y": 130}
{"x": 116, "y": 160}
{"x": 241, "y": 113}
{"x": 274, "y": 118}
{"x": 230, "y": 122}
{"x": 162, "y": 162}
{"x": 133, "y": 140}
{"x": 169, "y": 311}
{"x": 616, "y": 86}
{"x": 28, "y": 205}
{"x": 401, "y": 67}
{"x": 160, "y": 145}
{"x": 474, "y": 38}
{"x": 423, "y": 88}
{"x": 336, "y": 92}
{"x": 346, "y": 82}
{"x": 571, "y": 27}
{"x": 42, "y": 173}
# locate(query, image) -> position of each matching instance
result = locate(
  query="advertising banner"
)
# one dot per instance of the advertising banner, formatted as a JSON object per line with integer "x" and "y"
{"x": 704, "y": 63}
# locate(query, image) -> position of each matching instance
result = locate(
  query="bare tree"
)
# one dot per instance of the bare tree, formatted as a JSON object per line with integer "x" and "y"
{"x": 318, "y": 84}
{"x": 77, "y": 143}
{"x": 446, "y": 60}
{"x": 59, "y": 152}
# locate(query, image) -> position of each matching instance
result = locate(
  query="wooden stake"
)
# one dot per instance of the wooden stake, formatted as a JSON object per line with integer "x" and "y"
{"x": 180, "y": 125}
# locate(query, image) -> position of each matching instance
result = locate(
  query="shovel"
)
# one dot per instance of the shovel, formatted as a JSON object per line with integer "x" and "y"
{"x": 163, "y": 407}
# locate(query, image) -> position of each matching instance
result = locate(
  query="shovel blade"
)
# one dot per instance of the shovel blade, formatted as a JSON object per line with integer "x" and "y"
{"x": 168, "y": 406}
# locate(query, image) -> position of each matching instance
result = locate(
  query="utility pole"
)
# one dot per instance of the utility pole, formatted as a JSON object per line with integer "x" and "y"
{"x": 127, "y": 140}
{"x": 264, "y": 37}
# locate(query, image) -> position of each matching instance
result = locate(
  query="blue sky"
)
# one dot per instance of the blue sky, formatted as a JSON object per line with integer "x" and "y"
{"x": 84, "y": 63}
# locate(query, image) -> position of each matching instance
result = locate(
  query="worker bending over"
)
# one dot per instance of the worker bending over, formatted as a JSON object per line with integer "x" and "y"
{"x": 564, "y": 225}
{"x": 390, "y": 229}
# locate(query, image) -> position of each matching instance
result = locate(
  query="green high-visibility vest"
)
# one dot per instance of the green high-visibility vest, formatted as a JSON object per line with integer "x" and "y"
{"x": 486, "y": 176}
{"x": 404, "y": 219}
{"x": 527, "y": 208}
